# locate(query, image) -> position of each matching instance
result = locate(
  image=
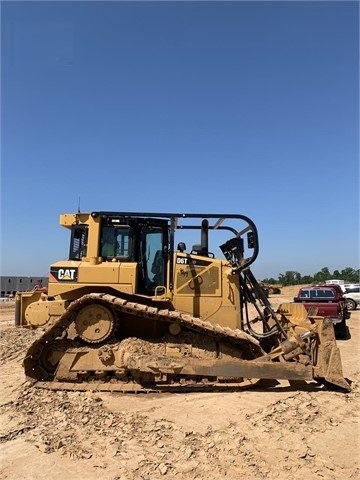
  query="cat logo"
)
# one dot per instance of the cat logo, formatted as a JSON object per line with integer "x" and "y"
{"x": 63, "y": 274}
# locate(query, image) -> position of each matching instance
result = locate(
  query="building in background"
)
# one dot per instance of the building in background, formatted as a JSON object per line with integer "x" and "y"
{"x": 11, "y": 284}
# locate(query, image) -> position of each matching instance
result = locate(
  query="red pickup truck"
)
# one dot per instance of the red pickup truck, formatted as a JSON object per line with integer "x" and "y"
{"x": 327, "y": 301}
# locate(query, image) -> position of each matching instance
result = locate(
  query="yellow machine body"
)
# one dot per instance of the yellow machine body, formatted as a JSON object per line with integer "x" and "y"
{"x": 131, "y": 306}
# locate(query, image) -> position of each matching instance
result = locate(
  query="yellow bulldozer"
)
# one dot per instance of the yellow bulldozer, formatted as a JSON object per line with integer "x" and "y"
{"x": 132, "y": 309}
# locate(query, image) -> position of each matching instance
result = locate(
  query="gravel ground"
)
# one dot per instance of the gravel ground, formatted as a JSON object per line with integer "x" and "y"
{"x": 277, "y": 432}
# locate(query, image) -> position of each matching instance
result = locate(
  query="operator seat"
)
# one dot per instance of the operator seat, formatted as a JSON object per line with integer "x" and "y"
{"x": 157, "y": 268}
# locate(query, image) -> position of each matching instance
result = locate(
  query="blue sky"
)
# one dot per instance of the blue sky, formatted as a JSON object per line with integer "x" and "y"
{"x": 218, "y": 107}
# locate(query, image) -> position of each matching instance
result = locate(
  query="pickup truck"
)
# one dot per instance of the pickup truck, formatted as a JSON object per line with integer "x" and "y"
{"x": 327, "y": 301}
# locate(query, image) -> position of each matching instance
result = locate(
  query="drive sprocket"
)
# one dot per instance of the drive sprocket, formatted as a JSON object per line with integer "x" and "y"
{"x": 94, "y": 323}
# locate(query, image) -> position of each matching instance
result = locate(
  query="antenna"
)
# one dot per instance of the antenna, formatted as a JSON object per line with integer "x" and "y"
{"x": 79, "y": 206}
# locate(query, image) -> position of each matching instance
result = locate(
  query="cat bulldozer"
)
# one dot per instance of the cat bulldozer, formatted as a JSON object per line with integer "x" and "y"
{"x": 132, "y": 309}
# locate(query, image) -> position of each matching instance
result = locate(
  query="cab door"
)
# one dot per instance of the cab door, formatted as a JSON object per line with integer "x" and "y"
{"x": 153, "y": 251}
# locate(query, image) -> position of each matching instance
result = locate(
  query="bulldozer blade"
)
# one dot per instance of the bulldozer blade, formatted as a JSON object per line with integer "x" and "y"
{"x": 329, "y": 364}
{"x": 334, "y": 373}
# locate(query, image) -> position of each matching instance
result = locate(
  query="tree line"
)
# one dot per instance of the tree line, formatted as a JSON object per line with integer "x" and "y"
{"x": 349, "y": 275}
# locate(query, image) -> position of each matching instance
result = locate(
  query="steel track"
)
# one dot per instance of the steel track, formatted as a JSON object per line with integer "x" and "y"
{"x": 35, "y": 364}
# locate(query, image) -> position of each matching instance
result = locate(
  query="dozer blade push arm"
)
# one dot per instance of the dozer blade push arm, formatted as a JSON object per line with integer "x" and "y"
{"x": 218, "y": 368}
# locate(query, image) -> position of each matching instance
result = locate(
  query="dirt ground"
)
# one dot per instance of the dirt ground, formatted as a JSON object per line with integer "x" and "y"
{"x": 277, "y": 431}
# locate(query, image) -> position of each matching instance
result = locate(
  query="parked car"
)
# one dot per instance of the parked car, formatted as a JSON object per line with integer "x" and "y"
{"x": 352, "y": 295}
{"x": 327, "y": 301}
{"x": 336, "y": 282}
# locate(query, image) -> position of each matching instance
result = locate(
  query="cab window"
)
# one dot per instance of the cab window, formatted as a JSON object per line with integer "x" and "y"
{"x": 154, "y": 264}
{"x": 78, "y": 243}
{"x": 115, "y": 242}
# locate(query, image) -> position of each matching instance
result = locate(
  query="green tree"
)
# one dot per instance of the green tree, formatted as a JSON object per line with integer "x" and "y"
{"x": 270, "y": 280}
{"x": 290, "y": 278}
{"x": 349, "y": 275}
{"x": 307, "y": 279}
{"x": 322, "y": 276}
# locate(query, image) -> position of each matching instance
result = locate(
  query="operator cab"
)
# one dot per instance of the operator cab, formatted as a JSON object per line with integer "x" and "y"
{"x": 139, "y": 240}
{"x": 147, "y": 241}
